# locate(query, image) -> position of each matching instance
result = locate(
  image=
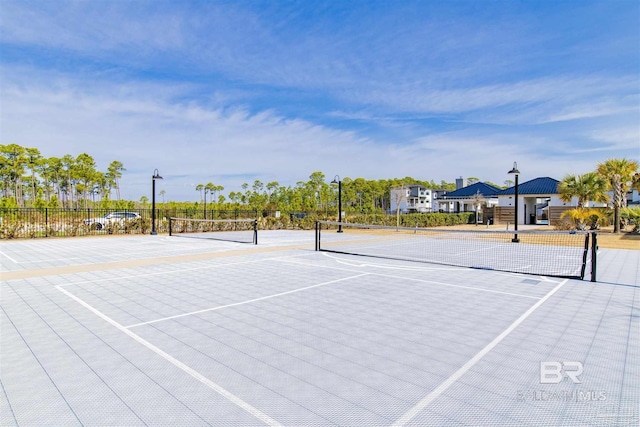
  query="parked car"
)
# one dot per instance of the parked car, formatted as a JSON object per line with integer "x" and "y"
{"x": 118, "y": 218}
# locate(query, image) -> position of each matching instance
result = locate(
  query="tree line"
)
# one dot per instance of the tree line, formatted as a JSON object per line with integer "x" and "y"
{"x": 314, "y": 194}
{"x": 31, "y": 180}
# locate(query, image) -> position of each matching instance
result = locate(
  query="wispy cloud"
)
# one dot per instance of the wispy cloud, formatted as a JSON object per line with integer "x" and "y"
{"x": 94, "y": 28}
{"x": 526, "y": 102}
{"x": 227, "y": 91}
{"x": 146, "y": 130}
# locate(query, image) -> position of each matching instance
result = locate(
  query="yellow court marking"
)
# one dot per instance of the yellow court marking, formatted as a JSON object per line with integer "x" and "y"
{"x": 72, "y": 269}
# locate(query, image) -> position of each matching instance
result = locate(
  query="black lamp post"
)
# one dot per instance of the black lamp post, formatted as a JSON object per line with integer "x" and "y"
{"x": 515, "y": 172}
{"x": 338, "y": 181}
{"x": 155, "y": 176}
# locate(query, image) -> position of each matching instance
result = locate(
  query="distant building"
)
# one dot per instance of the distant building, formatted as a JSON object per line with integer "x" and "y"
{"x": 414, "y": 198}
{"x": 461, "y": 183}
{"x": 468, "y": 199}
{"x": 538, "y": 202}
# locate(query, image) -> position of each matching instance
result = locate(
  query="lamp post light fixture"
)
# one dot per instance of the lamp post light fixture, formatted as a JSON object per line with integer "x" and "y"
{"x": 155, "y": 176}
{"x": 515, "y": 172}
{"x": 337, "y": 180}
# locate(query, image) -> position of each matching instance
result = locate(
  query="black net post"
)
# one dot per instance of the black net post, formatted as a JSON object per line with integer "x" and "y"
{"x": 255, "y": 232}
{"x": 317, "y": 235}
{"x": 170, "y": 223}
{"x": 585, "y": 256}
{"x": 594, "y": 256}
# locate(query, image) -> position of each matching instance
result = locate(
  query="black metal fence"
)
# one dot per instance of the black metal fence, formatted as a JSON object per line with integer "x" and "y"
{"x": 19, "y": 223}
{"x": 50, "y": 222}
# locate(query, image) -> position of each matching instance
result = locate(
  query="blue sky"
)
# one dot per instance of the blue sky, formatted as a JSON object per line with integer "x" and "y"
{"x": 233, "y": 91}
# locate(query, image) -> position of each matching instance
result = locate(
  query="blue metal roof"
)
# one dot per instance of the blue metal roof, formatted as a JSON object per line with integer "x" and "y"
{"x": 472, "y": 190}
{"x": 544, "y": 185}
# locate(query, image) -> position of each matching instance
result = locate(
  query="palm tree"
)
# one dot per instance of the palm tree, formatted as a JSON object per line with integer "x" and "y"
{"x": 633, "y": 216}
{"x": 619, "y": 174}
{"x": 635, "y": 182}
{"x": 587, "y": 187}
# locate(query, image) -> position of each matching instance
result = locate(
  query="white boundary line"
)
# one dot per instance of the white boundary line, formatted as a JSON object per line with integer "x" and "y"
{"x": 10, "y": 257}
{"x": 409, "y": 415}
{"x": 458, "y": 286}
{"x": 391, "y": 267}
{"x": 193, "y": 373}
{"x": 245, "y": 302}
{"x": 121, "y": 257}
{"x": 498, "y": 257}
{"x": 180, "y": 270}
{"x": 344, "y": 261}
{"x": 162, "y": 252}
{"x": 421, "y": 280}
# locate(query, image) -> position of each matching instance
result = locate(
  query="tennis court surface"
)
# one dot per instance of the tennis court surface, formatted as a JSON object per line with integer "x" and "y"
{"x": 159, "y": 330}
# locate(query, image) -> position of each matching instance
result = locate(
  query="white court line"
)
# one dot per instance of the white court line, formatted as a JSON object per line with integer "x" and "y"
{"x": 9, "y": 258}
{"x": 450, "y": 268}
{"x": 457, "y": 286}
{"x": 156, "y": 252}
{"x": 427, "y": 281}
{"x": 180, "y": 270}
{"x": 246, "y": 302}
{"x": 531, "y": 276}
{"x": 409, "y": 415}
{"x": 192, "y": 372}
{"x": 161, "y": 253}
{"x": 404, "y": 242}
{"x": 391, "y": 267}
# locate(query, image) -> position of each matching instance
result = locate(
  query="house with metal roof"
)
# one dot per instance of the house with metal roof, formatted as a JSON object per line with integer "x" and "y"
{"x": 538, "y": 201}
{"x": 469, "y": 198}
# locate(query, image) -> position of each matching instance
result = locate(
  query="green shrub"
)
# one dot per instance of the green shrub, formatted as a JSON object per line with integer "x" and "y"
{"x": 9, "y": 229}
{"x": 584, "y": 218}
{"x": 632, "y": 216}
{"x": 137, "y": 226}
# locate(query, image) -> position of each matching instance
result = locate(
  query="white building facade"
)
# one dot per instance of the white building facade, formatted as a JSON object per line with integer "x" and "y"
{"x": 535, "y": 197}
{"x": 414, "y": 199}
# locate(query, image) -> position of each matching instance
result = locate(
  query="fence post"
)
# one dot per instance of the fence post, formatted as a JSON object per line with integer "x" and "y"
{"x": 46, "y": 222}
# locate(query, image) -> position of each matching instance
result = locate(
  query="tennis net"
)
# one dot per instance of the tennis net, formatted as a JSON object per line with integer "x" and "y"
{"x": 232, "y": 230}
{"x": 543, "y": 253}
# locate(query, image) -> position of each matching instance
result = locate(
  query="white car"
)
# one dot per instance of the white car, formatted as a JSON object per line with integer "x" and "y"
{"x": 111, "y": 218}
